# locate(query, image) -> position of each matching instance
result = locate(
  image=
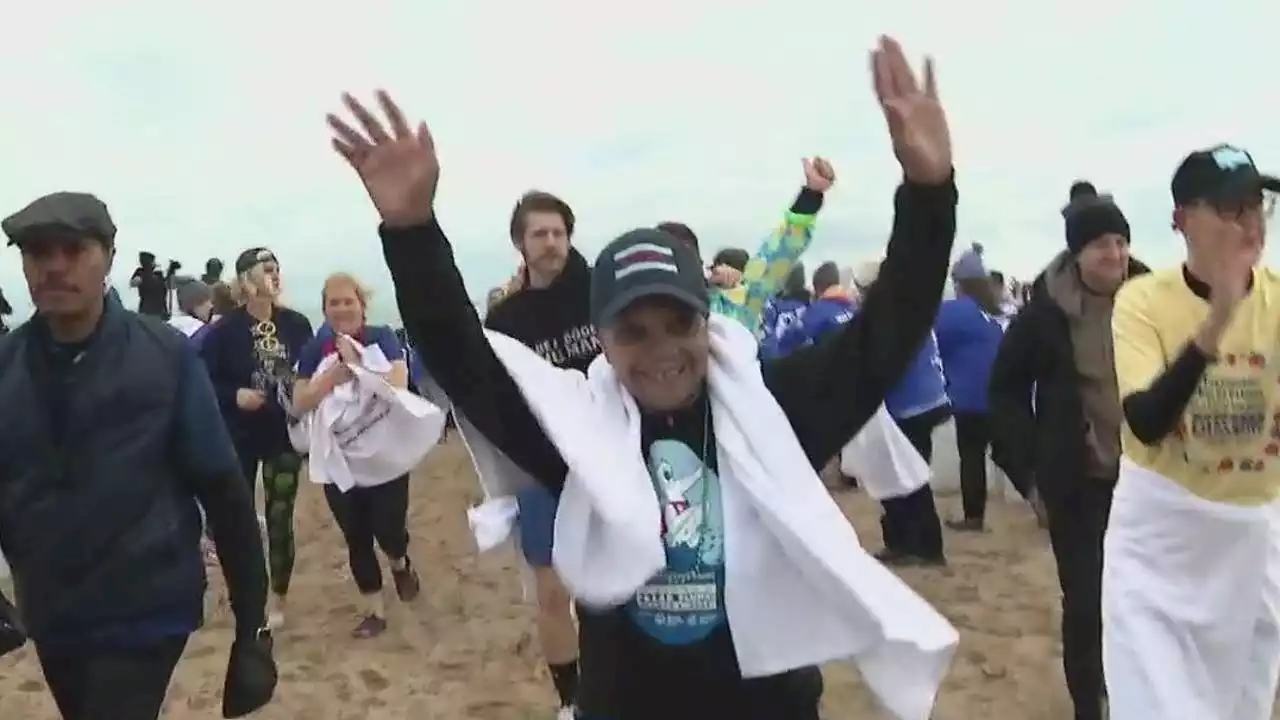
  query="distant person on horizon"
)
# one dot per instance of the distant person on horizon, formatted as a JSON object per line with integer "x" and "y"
{"x": 251, "y": 353}
{"x": 195, "y": 310}
{"x": 223, "y": 303}
{"x": 150, "y": 284}
{"x": 116, "y": 447}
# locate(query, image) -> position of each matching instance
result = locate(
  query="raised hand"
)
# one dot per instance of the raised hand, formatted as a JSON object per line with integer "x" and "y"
{"x": 1235, "y": 252}
{"x": 819, "y": 176}
{"x": 397, "y": 165}
{"x": 917, "y": 123}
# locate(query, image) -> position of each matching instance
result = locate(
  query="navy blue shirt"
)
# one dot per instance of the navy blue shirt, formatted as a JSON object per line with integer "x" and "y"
{"x": 325, "y": 344}
{"x": 243, "y": 352}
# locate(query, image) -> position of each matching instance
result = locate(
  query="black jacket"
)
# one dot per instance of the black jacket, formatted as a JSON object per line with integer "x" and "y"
{"x": 554, "y": 321}
{"x": 1044, "y": 443}
{"x": 827, "y": 392}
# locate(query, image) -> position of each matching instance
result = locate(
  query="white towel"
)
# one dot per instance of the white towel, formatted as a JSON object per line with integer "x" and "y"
{"x": 883, "y": 460}
{"x": 1190, "y": 604}
{"x": 799, "y": 589}
{"x": 366, "y": 432}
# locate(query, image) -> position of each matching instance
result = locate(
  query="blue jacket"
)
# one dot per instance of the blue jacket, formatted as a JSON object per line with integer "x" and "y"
{"x": 98, "y": 513}
{"x": 823, "y": 315}
{"x": 780, "y": 314}
{"x": 922, "y": 388}
{"x": 968, "y": 339}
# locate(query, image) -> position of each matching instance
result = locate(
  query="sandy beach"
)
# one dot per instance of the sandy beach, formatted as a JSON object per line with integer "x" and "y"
{"x": 466, "y": 648}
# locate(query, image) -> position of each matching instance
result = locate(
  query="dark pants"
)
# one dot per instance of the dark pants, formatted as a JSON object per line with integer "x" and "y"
{"x": 910, "y": 523}
{"x": 973, "y": 438}
{"x": 111, "y": 684}
{"x": 1077, "y": 522}
{"x": 372, "y": 514}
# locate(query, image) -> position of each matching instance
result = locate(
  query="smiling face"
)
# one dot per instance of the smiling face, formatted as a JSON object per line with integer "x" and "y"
{"x": 659, "y": 347}
{"x": 1104, "y": 262}
{"x": 344, "y": 304}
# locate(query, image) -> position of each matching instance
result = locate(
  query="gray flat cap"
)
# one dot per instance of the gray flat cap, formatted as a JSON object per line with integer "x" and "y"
{"x": 78, "y": 212}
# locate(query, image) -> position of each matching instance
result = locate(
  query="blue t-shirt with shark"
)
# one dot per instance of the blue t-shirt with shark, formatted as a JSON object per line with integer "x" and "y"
{"x": 685, "y": 602}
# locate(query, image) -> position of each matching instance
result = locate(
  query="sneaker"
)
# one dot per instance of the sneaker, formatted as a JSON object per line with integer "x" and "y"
{"x": 967, "y": 525}
{"x": 406, "y": 581}
{"x": 370, "y": 626}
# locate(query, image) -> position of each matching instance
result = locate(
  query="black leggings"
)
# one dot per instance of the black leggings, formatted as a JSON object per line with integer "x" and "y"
{"x": 111, "y": 684}
{"x": 973, "y": 438}
{"x": 369, "y": 514}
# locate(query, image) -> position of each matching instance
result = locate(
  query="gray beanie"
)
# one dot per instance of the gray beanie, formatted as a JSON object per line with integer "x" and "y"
{"x": 192, "y": 294}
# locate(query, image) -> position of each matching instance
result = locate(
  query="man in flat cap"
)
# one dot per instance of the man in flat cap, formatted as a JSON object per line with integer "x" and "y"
{"x": 98, "y": 501}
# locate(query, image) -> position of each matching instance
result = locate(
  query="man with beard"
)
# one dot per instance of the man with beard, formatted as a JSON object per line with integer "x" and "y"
{"x": 650, "y": 299}
{"x": 117, "y": 441}
{"x": 1055, "y": 418}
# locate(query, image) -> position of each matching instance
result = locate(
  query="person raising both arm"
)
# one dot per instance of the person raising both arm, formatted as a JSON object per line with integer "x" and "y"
{"x": 645, "y": 318}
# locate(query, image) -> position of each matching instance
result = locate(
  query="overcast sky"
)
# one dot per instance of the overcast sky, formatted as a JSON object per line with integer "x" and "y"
{"x": 202, "y": 124}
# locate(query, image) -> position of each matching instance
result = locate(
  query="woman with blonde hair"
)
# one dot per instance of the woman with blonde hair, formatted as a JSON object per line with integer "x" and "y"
{"x": 251, "y": 352}
{"x": 370, "y": 512}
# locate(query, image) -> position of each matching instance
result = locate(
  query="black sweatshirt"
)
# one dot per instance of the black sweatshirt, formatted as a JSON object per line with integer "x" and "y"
{"x": 827, "y": 392}
{"x": 554, "y": 321}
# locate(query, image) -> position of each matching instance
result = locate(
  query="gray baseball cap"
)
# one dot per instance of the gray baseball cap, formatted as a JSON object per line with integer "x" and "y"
{"x": 645, "y": 263}
{"x": 74, "y": 212}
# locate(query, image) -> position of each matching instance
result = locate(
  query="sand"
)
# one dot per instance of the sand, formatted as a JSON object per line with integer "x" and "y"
{"x": 466, "y": 648}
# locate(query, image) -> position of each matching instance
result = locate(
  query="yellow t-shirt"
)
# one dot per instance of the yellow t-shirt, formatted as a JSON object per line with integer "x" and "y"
{"x": 1227, "y": 445}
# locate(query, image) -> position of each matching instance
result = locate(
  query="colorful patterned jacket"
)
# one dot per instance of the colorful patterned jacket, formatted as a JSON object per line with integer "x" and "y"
{"x": 767, "y": 270}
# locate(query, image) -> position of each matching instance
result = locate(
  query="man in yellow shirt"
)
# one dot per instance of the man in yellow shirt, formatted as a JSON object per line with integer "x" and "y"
{"x": 1191, "y": 577}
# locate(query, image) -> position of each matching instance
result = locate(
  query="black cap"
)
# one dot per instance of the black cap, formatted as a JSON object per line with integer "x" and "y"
{"x": 645, "y": 263}
{"x": 65, "y": 212}
{"x": 1221, "y": 175}
{"x": 251, "y": 258}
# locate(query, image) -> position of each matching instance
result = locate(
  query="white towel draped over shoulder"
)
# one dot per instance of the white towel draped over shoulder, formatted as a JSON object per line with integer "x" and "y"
{"x": 366, "y": 432}
{"x": 799, "y": 588}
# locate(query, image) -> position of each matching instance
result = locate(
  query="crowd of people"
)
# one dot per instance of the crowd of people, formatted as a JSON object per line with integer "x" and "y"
{"x": 663, "y": 425}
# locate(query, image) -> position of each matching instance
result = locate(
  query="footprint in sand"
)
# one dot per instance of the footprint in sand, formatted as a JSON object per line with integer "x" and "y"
{"x": 373, "y": 680}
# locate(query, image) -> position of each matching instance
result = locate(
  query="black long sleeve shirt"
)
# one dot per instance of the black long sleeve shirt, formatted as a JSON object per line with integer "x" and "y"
{"x": 828, "y": 392}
